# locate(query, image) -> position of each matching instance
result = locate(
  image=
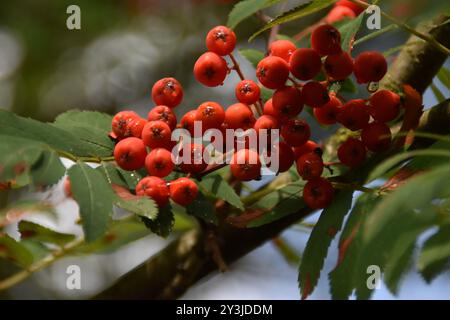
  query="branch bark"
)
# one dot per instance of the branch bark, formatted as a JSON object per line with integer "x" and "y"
{"x": 185, "y": 261}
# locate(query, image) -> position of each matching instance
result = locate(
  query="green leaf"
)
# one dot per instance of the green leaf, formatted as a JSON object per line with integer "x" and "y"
{"x": 279, "y": 204}
{"x": 396, "y": 222}
{"x": 431, "y": 162}
{"x": 399, "y": 262}
{"x": 163, "y": 223}
{"x": 95, "y": 198}
{"x": 316, "y": 250}
{"x": 349, "y": 30}
{"x": 216, "y": 186}
{"x": 47, "y": 170}
{"x": 31, "y": 230}
{"x": 244, "y": 9}
{"x": 112, "y": 174}
{"x": 444, "y": 77}
{"x": 342, "y": 280}
{"x": 14, "y": 251}
{"x": 203, "y": 208}
{"x": 296, "y": 13}
{"x": 435, "y": 254}
{"x": 37, "y": 249}
{"x": 437, "y": 93}
{"x": 375, "y": 34}
{"x": 266, "y": 94}
{"x": 252, "y": 55}
{"x": 141, "y": 206}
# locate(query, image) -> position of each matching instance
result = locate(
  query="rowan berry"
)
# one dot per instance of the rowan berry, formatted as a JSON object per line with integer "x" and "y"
{"x": 155, "y": 188}
{"x": 159, "y": 162}
{"x": 195, "y": 162}
{"x": 157, "y": 134}
{"x": 310, "y": 166}
{"x": 284, "y": 154}
{"x": 305, "y": 64}
{"x": 239, "y": 116}
{"x": 315, "y": 94}
{"x": 163, "y": 113}
{"x": 339, "y": 66}
{"x": 247, "y": 91}
{"x": 287, "y": 102}
{"x": 354, "y": 115}
{"x": 127, "y": 124}
{"x": 384, "y": 105}
{"x": 221, "y": 40}
{"x": 210, "y": 69}
{"x": 187, "y": 121}
{"x": 295, "y": 132}
{"x": 245, "y": 165}
{"x": 309, "y": 146}
{"x": 130, "y": 153}
{"x": 167, "y": 92}
{"x": 339, "y": 13}
{"x": 326, "y": 40}
{"x": 282, "y": 49}
{"x": 376, "y": 136}
{"x": 370, "y": 66}
{"x": 211, "y": 114}
{"x": 327, "y": 114}
{"x": 318, "y": 193}
{"x": 272, "y": 72}
{"x": 183, "y": 191}
{"x": 356, "y": 8}
{"x": 352, "y": 152}
{"x": 266, "y": 122}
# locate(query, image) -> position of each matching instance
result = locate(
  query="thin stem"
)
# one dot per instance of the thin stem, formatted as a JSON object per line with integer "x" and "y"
{"x": 74, "y": 158}
{"x": 299, "y": 36}
{"x": 236, "y": 66}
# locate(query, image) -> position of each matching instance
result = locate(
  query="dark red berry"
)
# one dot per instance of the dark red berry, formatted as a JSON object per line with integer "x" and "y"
{"x": 295, "y": 132}
{"x": 327, "y": 114}
{"x": 315, "y": 94}
{"x": 384, "y": 105}
{"x": 307, "y": 147}
{"x": 339, "y": 66}
{"x": 354, "y": 115}
{"x": 310, "y": 166}
{"x": 370, "y": 66}
{"x": 376, "y": 136}
{"x": 287, "y": 102}
{"x": 352, "y": 152}
{"x": 318, "y": 193}
{"x": 326, "y": 40}
{"x": 245, "y": 165}
{"x": 305, "y": 64}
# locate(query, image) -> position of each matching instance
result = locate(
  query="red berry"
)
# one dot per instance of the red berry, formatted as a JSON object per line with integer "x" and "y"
{"x": 247, "y": 91}
{"x": 295, "y": 132}
{"x": 130, "y": 153}
{"x": 239, "y": 116}
{"x": 315, "y": 94}
{"x": 326, "y": 40}
{"x": 310, "y": 166}
{"x": 339, "y": 66}
{"x": 356, "y": 8}
{"x": 318, "y": 193}
{"x": 210, "y": 69}
{"x": 187, "y": 121}
{"x": 305, "y": 64}
{"x": 272, "y": 72}
{"x": 376, "y": 136}
{"x": 266, "y": 122}
{"x": 352, "y": 152}
{"x": 67, "y": 188}
{"x": 270, "y": 111}
{"x": 339, "y": 13}
{"x": 167, "y": 92}
{"x": 195, "y": 162}
{"x": 245, "y": 165}
{"x": 221, "y": 40}
{"x": 163, "y": 113}
{"x": 159, "y": 162}
{"x": 370, "y": 66}
{"x": 308, "y": 147}
{"x": 183, "y": 191}
{"x": 282, "y": 49}
{"x": 211, "y": 114}
{"x": 327, "y": 114}
{"x": 155, "y": 188}
{"x": 157, "y": 134}
{"x": 284, "y": 154}
{"x": 127, "y": 124}
{"x": 384, "y": 105}
{"x": 354, "y": 115}
{"x": 287, "y": 102}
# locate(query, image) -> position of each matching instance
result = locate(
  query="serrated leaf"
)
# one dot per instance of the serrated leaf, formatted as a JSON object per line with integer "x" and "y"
{"x": 48, "y": 170}
{"x": 444, "y": 77}
{"x": 141, "y": 206}
{"x": 220, "y": 189}
{"x": 203, "y": 208}
{"x": 435, "y": 254}
{"x": 399, "y": 262}
{"x": 17, "y": 210}
{"x": 279, "y": 204}
{"x": 252, "y": 55}
{"x": 14, "y": 251}
{"x": 244, "y": 9}
{"x": 112, "y": 174}
{"x": 163, "y": 223}
{"x": 95, "y": 198}
{"x": 298, "y": 12}
{"x": 31, "y": 230}
{"x": 329, "y": 223}
{"x": 349, "y": 30}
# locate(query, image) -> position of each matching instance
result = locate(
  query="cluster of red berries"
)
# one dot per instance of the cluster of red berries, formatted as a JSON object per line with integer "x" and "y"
{"x": 285, "y": 63}
{"x": 343, "y": 9}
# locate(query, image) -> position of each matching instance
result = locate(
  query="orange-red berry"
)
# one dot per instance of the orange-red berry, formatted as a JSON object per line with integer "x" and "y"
{"x": 247, "y": 91}
{"x": 159, "y": 162}
{"x": 167, "y": 92}
{"x": 239, "y": 116}
{"x": 187, "y": 121}
{"x": 245, "y": 165}
{"x": 210, "y": 69}
{"x": 155, "y": 188}
{"x": 163, "y": 113}
{"x": 307, "y": 147}
{"x": 130, "y": 153}
{"x": 211, "y": 115}
{"x": 287, "y": 102}
{"x": 127, "y": 124}
{"x": 272, "y": 72}
{"x": 221, "y": 40}
{"x": 282, "y": 49}
{"x": 183, "y": 191}
{"x": 157, "y": 134}
{"x": 339, "y": 13}
{"x": 195, "y": 162}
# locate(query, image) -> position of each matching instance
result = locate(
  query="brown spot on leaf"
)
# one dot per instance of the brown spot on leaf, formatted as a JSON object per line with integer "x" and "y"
{"x": 332, "y": 231}
{"x": 241, "y": 221}
{"x": 306, "y": 288}
{"x": 345, "y": 243}
{"x": 109, "y": 238}
{"x": 25, "y": 234}
{"x": 20, "y": 168}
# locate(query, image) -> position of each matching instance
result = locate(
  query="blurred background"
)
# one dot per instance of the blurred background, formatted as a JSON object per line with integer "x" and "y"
{"x": 123, "y": 47}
